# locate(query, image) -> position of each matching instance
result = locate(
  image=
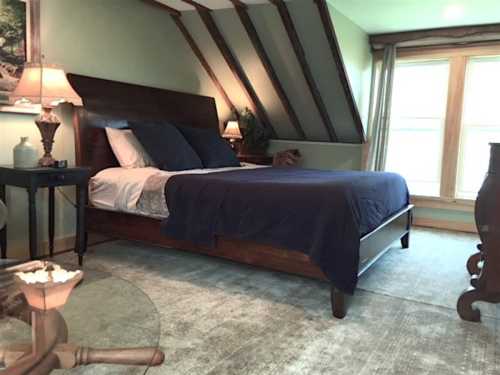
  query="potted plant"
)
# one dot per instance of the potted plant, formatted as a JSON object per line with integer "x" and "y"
{"x": 255, "y": 136}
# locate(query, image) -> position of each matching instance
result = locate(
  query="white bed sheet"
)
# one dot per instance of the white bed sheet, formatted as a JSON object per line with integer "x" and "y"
{"x": 119, "y": 189}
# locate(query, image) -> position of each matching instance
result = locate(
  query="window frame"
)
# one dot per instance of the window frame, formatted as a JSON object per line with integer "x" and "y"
{"x": 458, "y": 58}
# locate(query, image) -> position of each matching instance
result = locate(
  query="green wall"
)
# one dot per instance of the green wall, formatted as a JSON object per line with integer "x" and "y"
{"x": 122, "y": 40}
{"x": 356, "y": 51}
{"x": 322, "y": 155}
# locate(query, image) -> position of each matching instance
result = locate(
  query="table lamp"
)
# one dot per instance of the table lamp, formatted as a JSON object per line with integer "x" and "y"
{"x": 232, "y": 132}
{"x": 48, "y": 86}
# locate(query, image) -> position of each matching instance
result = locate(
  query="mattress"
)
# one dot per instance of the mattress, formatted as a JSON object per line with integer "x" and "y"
{"x": 139, "y": 191}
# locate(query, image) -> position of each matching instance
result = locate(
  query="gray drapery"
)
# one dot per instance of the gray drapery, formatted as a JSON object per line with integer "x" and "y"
{"x": 380, "y": 117}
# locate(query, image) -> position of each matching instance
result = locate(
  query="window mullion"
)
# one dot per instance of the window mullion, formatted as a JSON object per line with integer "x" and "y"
{"x": 453, "y": 124}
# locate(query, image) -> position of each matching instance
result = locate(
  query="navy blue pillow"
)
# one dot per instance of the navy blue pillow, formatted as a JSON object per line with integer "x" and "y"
{"x": 166, "y": 145}
{"x": 212, "y": 149}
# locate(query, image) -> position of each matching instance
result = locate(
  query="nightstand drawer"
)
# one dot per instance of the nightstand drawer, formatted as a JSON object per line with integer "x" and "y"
{"x": 59, "y": 179}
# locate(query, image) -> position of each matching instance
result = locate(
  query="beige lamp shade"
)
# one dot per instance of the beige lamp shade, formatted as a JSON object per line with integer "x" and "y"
{"x": 46, "y": 85}
{"x": 232, "y": 131}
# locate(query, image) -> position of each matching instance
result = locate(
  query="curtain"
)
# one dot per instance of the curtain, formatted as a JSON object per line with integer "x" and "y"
{"x": 381, "y": 111}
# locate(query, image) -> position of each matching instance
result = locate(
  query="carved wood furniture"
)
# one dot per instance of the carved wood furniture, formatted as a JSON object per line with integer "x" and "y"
{"x": 49, "y": 349}
{"x": 106, "y": 99}
{"x": 32, "y": 180}
{"x": 484, "y": 266}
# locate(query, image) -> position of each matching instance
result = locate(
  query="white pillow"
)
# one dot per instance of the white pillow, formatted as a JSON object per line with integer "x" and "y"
{"x": 127, "y": 149}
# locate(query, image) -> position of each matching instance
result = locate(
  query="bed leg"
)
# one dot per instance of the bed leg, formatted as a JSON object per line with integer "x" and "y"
{"x": 405, "y": 241}
{"x": 338, "y": 301}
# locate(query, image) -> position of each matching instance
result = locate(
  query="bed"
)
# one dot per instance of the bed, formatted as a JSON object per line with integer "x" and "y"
{"x": 107, "y": 99}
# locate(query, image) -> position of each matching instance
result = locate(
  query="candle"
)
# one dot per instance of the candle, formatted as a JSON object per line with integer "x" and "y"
{"x": 49, "y": 273}
{"x": 48, "y": 287}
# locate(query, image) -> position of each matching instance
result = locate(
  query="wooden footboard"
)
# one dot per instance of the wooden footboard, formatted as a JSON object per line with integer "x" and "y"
{"x": 144, "y": 229}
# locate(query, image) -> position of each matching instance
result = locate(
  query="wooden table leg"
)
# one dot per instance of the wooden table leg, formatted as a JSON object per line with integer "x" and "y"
{"x": 3, "y": 231}
{"x": 51, "y": 221}
{"x": 80, "y": 248}
{"x": 33, "y": 223}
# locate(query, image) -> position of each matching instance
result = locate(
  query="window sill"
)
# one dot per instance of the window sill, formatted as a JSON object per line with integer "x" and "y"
{"x": 464, "y": 205}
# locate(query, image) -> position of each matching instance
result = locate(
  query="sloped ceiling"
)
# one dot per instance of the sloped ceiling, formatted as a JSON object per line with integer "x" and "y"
{"x": 273, "y": 35}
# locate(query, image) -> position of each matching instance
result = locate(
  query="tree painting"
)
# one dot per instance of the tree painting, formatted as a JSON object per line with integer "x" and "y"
{"x": 12, "y": 45}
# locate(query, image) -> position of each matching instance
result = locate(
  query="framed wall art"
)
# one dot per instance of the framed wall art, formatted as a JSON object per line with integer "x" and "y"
{"x": 19, "y": 43}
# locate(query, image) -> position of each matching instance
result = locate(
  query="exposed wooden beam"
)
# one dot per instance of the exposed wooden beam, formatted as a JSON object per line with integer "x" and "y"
{"x": 241, "y": 10}
{"x": 448, "y": 32}
{"x": 301, "y": 57}
{"x": 205, "y": 64}
{"x": 326, "y": 19}
{"x": 176, "y": 16}
{"x": 233, "y": 64}
{"x": 159, "y": 5}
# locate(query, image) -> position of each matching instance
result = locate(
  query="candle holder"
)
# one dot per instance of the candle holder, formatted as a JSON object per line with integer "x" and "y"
{"x": 49, "y": 287}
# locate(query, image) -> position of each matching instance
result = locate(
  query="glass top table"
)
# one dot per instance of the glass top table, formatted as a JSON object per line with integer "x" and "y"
{"x": 108, "y": 326}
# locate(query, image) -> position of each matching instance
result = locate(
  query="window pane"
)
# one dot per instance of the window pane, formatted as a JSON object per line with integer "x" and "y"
{"x": 480, "y": 123}
{"x": 417, "y": 124}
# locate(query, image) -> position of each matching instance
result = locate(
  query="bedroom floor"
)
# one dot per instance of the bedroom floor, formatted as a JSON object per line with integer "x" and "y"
{"x": 218, "y": 317}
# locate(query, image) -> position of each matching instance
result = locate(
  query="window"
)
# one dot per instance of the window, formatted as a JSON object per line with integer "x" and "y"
{"x": 417, "y": 123}
{"x": 445, "y": 111}
{"x": 480, "y": 124}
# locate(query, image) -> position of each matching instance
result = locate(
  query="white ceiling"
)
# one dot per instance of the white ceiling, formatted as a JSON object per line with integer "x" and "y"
{"x": 382, "y": 16}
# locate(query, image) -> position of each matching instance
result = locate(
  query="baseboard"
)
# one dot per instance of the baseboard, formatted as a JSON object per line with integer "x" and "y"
{"x": 445, "y": 224}
{"x": 61, "y": 245}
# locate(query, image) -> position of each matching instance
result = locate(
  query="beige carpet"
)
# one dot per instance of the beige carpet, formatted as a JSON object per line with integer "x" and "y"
{"x": 218, "y": 317}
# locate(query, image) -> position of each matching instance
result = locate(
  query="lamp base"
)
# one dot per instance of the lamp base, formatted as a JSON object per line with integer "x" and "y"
{"x": 47, "y": 125}
{"x": 46, "y": 161}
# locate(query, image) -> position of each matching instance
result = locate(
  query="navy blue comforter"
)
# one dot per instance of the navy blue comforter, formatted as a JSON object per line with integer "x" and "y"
{"x": 320, "y": 213}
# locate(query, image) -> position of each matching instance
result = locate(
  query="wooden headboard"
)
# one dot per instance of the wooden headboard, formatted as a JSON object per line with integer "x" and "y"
{"x": 105, "y": 101}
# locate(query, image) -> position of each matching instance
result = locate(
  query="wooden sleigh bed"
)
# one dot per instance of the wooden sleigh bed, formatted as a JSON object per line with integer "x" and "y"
{"x": 107, "y": 99}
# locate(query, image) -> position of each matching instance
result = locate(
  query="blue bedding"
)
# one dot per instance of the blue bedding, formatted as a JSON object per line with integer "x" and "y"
{"x": 320, "y": 213}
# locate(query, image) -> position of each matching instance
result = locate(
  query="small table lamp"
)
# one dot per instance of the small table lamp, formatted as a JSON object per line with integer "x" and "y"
{"x": 46, "y": 85}
{"x": 232, "y": 132}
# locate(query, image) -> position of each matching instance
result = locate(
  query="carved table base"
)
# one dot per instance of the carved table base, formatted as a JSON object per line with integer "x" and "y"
{"x": 473, "y": 265}
{"x": 49, "y": 349}
{"x": 485, "y": 284}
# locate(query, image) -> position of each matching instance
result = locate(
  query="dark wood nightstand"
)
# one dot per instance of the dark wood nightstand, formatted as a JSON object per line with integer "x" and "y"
{"x": 255, "y": 159}
{"x": 31, "y": 180}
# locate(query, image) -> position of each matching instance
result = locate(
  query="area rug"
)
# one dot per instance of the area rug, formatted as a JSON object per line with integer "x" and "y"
{"x": 218, "y": 317}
